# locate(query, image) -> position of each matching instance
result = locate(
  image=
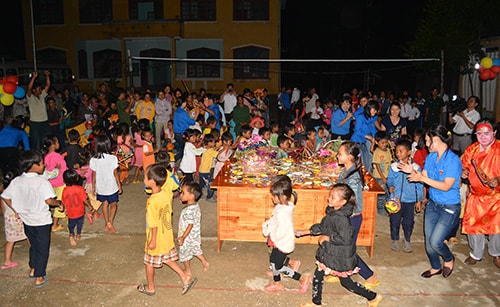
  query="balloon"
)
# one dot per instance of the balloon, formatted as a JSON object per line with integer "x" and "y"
{"x": 481, "y": 69}
{"x": 9, "y": 87}
{"x": 20, "y": 92}
{"x": 484, "y": 75}
{"x": 496, "y": 62}
{"x": 486, "y": 62}
{"x": 13, "y": 79}
{"x": 1, "y": 89}
{"x": 495, "y": 69}
{"x": 7, "y": 99}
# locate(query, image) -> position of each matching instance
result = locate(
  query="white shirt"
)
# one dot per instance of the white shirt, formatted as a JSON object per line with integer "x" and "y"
{"x": 188, "y": 162}
{"x": 230, "y": 102}
{"x": 414, "y": 113}
{"x": 280, "y": 228}
{"x": 316, "y": 113}
{"x": 105, "y": 181}
{"x": 311, "y": 104}
{"x": 28, "y": 193}
{"x": 405, "y": 110}
{"x": 38, "y": 107}
{"x": 460, "y": 126}
{"x": 295, "y": 95}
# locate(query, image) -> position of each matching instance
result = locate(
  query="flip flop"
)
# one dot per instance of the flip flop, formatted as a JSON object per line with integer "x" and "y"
{"x": 187, "y": 287}
{"x": 45, "y": 281}
{"x": 407, "y": 247}
{"x": 142, "y": 289}
{"x": 11, "y": 265}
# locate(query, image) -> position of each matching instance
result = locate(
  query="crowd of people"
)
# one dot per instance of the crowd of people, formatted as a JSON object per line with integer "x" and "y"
{"x": 86, "y": 146}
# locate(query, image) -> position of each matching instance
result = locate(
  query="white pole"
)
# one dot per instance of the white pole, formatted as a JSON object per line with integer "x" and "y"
{"x": 33, "y": 35}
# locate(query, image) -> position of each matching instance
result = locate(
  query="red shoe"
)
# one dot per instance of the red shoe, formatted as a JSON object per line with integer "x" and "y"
{"x": 90, "y": 218}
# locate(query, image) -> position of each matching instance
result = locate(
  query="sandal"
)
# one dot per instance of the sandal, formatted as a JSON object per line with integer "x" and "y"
{"x": 395, "y": 246}
{"x": 142, "y": 289}
{"x": 407, "y": 247}
{"x": 375, "y": 301}
{"x": 187, "y": 287}
{"x": 11, "y": 265}
{"x": 371, "y": 285}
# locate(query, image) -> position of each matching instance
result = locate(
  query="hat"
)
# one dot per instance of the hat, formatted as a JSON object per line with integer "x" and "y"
{"x": 255, "y": 120}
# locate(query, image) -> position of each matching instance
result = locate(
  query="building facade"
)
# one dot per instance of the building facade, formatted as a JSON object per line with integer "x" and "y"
{"x": 130, "y": 40}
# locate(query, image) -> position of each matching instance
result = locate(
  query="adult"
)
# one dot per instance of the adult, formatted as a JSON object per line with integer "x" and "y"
{"x": 285, "y": 102}
{"x": 442, "y": 171}
{"x": 146, "y": 108}
{"x": 393, "y": 125}
{"x": 384, "y": 104}
{"x": 341, "y": 120}
{"x": 241, "y": 115}
{"x": 229, "y": 100}
{"x": 10, "y": 137}
{"x": 421, "y": 107}
{"x": 123, "y": 106}
{"x": 482, "y": 210}
{"x": 163, "y": 111}
{"x": 464, "y": 124}
{"x": 311, "y": 104}
{"x": 86, "y": 111}
{"x": 182, "y": 121}
{"x": 433, "y": 108}
{"x": 364, "y": 132}
{"x": 39, "y": 125}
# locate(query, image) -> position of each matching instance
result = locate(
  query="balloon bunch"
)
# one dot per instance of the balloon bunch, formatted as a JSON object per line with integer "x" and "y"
{"x": 9, "y": 89}
{"x": 489, "y": 68}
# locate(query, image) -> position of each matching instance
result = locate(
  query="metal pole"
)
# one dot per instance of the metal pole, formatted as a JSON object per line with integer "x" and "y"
{"x": 33, "y": 35}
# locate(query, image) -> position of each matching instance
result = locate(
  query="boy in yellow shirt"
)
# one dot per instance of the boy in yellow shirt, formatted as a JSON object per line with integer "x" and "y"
{"x": 160, "y": 248}
{"x": 381, "y": 162}
{"x": 207, "y": 165}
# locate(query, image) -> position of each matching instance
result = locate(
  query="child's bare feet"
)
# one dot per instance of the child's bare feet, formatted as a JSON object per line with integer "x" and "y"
{"x": 206, "y": 265}
{"x": 78, "y": 237}
{"x": 274, "y": 286}
{"x": 72, "y": 241}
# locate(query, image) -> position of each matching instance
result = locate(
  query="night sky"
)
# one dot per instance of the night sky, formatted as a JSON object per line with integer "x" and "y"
{"x": 333, "y": 29}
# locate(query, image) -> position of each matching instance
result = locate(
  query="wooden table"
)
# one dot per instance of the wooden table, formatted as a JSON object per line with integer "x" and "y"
{"x": 242, "y": 208}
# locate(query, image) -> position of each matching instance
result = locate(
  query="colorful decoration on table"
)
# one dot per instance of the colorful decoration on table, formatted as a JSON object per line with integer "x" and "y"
{"x": 254, "y": 155}
{"x": 488, "y": 68}
{"x": 9, "y": 89}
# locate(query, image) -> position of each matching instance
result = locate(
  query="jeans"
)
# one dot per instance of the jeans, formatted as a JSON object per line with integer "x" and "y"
{"x": 406, "y": 218}
{"x": 78, "y": 223}
{"x": 206, "y": 181}
{"x": 366, "y": 155}
{"x": 438, "y": 221}
{"x": 39, "y": 238}
{"x": 381, "y": 198}
{"x": 364, "y": 269}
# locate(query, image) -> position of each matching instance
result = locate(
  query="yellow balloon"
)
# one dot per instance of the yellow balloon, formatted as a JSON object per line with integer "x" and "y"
{"x": 486, "y": 62}
{"x": 7, "y": 99}
{"x": 1, "y": 89}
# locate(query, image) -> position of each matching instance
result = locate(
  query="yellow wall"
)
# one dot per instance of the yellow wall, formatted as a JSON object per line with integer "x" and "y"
{"x": 235, "y": 34}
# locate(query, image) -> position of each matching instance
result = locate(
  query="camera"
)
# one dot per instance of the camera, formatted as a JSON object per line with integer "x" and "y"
{"x": 457, "y": 105}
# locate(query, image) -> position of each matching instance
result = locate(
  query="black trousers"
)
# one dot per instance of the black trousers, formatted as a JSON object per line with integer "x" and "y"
{"x": 39, "y": 237}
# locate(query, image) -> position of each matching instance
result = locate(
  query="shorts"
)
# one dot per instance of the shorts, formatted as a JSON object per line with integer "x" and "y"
{"x": 58, "y": 214}
{"x": 113, "y": 198}
{"x": 157, "y": 261}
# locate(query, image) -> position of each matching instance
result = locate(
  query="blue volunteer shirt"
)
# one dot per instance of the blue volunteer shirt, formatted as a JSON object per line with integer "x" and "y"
{"x": 338, "y": 116}
{"x": 11, "y": 137}
{"x": 182, "y": 120}
{"x": 449, "y": 166}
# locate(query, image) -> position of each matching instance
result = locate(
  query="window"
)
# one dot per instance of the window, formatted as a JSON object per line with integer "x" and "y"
{"x": 198, "y": 10}
{"x": 83, "y": 69}
{"x": 251, "y": 70}
{"x": 146, "y": 9}
{"x": 48, "y": 12}
{"x": 95, "y": 11}
{"x": 107, "y": 64}
{"x": 203, "y": 69}
{"x": 51, "y": 56}
{"x": 251, "y": 9}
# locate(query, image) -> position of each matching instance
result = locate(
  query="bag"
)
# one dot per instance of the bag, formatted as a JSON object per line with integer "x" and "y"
{"x": 393, "y": 205}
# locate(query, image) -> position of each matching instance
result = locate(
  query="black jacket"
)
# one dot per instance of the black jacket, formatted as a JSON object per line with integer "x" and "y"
{"x": 339, "y": 253}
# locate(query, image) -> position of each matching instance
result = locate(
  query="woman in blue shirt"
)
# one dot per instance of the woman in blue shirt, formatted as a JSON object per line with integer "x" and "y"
{"x": 10, "y": 138}
{"x": 441, "y": 173}
{"x": 341, "y": 120}
{"x": 364, "y": 131}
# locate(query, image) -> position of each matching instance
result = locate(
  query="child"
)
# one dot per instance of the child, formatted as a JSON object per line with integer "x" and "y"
{"x": 421, "y": 151}
{"x": 336, "y": 254}
{"x": 275, "y": 128}
{"x": 410, "y": 196}
{"x": 14, "y": 228}
{"x": 138, "y": 152}
{"x": 211, "y": 124}
{"x": 188, "y": 162}
{"x": 189, "y": 235}
{"x": 311, "y": 141}
{"x": 245, "y": 135}
{"x": 124, "y": 149}
{"x": 265, "y": 133}
{"x": 169, "y": 133}
{"x": 30, "y": 196}
{"x": 413, "y": 116}
{"x": 159, "y": 248}
{"x": 148, "y": 152}
{"x": 283, "y": 147}
{"x": 86, "y": 173}
{"x": 225, "y": 152}
{"x": 74, "y": 152}
{"x": 105, "y": 182}
{"x": 381, "y": 162}
{"x": 289, "y": 132}
{"x": 256, "y": 124}
{"x": 74, "y": 199}
{"x": 207, "y": 161}
{"x": 54, "y": 160}
{"x": 348, "y": 155}
{"x": 281, "y": 236}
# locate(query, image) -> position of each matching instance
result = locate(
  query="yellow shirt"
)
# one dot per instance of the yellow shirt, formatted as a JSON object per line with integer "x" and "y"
{"x": 170, "y": 185}
{"x": 145, "y": 109}
{"x": 159, "y": 215}
{"x": 207, "y": 159}
{"x": 382, "y": 158}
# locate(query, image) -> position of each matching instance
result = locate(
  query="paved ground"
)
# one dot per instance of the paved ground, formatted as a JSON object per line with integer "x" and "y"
{"x": 104, "y": 269}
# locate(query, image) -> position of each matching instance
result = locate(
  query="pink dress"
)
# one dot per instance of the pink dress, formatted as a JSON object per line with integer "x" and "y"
{"x": 52, "y": 160}
{"x": 14, "y": 227}
{"x": 138, "y": 150}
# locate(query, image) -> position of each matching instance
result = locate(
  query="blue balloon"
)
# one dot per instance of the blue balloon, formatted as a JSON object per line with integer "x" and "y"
{"x": 496, "y": 62}
{"x": 19, "y": 93}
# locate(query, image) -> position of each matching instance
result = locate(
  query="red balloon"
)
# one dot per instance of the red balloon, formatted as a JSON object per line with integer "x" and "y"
{"x": 495, "y": 69}
{"x": 9, "y": 87}
{"x": 481, "y": 69}
{"x": 12, "y": 78}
